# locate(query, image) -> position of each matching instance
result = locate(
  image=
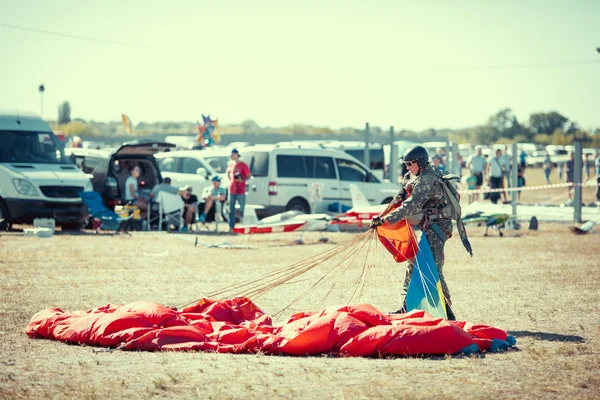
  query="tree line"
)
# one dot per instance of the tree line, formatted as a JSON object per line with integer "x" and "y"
{"x": 502, "y": 127}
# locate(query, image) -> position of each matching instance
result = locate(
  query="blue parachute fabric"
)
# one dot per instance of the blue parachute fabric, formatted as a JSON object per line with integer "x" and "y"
{"x": 499, "y": 345}
{"x": 425, "y": 290}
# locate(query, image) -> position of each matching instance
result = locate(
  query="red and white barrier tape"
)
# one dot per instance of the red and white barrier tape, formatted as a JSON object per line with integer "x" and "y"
{"x": 589, "y": 183}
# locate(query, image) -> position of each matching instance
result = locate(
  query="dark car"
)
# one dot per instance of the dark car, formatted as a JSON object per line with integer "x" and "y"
{"x": 109, "y": 170}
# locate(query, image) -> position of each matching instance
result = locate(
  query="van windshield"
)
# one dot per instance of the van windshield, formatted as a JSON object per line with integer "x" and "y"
{"x": 31, "y": 147}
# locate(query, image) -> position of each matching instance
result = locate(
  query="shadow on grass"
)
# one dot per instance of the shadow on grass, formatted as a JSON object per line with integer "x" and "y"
{"x": 547, "y": 336}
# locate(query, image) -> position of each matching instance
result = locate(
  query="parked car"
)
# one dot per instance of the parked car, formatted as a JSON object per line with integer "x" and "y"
{"x": 108, "y": 171}
{"x": 282, "y": 178}
{"x": 37, "y": 179}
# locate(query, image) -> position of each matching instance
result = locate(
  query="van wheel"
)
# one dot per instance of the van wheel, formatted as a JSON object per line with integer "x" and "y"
{"x": 5, "y": 224}
{"x": 298, "y": 204}
{"x": 388, "y": 200}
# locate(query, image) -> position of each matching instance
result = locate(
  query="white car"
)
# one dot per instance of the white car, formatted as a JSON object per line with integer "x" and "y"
{"x": 37, "y": 180}
{"x": 187, "y": 167}
{"x": 285, "y": 178}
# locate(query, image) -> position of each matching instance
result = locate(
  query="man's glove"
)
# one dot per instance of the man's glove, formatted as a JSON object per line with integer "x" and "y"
{"x": 376, "y": 221}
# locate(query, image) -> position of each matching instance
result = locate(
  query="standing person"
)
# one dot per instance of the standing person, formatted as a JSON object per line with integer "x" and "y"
{"x": 476, "y": 164}
{"x": 437, "y": 163}
{"x": 425, "y": 204}
{"x": 496, "y": 174}
{"x": 561, "y": 169}
{"x": 520, "y": 181}
{"x": 523, "y": 160}
{"x": 597, "y": 177}
{"x": 587, "y": 163}
{"x": 459, "y": 163}
{"x": 570, "y": 172}
{"x": 217, "y": 193}
{"x": 132, "y": 193}
{"x": 238, "y": 173}
{"x": 547, "y": 167}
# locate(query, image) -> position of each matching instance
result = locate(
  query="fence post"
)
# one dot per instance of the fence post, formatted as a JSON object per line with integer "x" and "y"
{"x": 515, "y": 178}
{"x": 456, "y": 168}
{"x": 367, "y": 156}
{"x": 577, "y": 181}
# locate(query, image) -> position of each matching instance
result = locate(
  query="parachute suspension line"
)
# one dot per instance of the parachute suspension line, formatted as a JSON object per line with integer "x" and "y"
{"x": 354, "y": 251}
{"x": 360, "y": 282}
{"x": 280, "y": 276}
{"x": 368, "y": 237}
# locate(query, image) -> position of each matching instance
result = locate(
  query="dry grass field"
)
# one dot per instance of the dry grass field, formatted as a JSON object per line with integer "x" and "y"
{"x": 541, "y": 286}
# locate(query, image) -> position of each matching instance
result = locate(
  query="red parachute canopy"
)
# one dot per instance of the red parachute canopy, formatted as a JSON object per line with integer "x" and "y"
{"x": 239, "y": 326}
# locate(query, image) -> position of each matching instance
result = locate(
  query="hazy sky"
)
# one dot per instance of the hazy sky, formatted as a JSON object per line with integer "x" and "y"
{"x": 333, "y": 63}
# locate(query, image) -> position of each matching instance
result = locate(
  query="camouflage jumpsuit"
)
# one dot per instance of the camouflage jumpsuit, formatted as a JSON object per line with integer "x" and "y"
{"x": 427, "y": 197}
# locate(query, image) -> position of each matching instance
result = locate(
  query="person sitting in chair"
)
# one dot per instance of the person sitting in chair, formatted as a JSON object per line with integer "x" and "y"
{"x": 190, "y": 205}
{"x": 217, "y": 193}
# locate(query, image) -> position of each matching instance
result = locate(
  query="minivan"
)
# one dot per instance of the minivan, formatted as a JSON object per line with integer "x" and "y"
{"x": 283, "y": 177}
{"x": 37, "y": 180}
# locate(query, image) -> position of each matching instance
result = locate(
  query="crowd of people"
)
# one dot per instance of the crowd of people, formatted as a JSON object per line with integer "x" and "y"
{"x": 495, "y": 172}
{"x": 237, "y": 173}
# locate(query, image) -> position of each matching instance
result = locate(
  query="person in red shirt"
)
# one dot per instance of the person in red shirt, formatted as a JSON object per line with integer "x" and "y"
{"x": 238, "y": 173}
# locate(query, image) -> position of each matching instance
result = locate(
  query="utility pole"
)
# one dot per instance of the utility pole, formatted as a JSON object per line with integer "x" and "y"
{"x": 367, "y": 156}
{"x": 393, "y": 168}
{"x": 41, "y": 90}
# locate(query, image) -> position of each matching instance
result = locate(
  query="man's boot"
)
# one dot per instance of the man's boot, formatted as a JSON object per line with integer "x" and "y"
{"x": 450, "y": 314}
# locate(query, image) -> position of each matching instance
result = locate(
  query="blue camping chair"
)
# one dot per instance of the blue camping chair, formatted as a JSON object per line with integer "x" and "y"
{"x": 109, "y": 220}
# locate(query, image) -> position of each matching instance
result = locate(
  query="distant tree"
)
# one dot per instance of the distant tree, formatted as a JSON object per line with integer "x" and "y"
{"x": 64, "y": 113}
{"x": 505, "y": 124}
{"x": 250, "y": 126}
{"x": 546, "y": 122}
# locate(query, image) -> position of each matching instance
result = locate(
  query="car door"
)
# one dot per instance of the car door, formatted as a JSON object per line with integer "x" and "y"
{"x": 322, "y": 173}
{"x": 352, "y": 172}
{"x": 195, "y": 174}
{"x": 169, "y": 168}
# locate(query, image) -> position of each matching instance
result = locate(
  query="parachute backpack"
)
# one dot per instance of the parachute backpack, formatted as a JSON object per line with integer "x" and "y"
{"x": 452, "y": 209}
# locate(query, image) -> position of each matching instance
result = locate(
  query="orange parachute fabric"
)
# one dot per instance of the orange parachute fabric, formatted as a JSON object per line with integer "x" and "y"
{"x": 399, "y": 239}
{"x": 239, "y": 326}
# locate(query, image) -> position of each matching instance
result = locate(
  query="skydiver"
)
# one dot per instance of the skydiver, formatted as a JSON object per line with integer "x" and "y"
{"x": 424, "y": 206}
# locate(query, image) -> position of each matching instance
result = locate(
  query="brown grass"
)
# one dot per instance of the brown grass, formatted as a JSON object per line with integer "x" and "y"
{"x": 541, "y": 286}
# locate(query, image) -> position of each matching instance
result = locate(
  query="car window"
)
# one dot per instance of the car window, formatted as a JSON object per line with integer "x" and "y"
{"x": 376, "y": 157}
{"x": 218, "y": 163}
{"x": 291, "y": 166}
{"x": 31, "y": 147}
{"x": 168, "y": 164}
{"x": 351, "y": 171}
{"x": 320, "y": 167}
{"x": 190, "y": 165}
{"x": 258, "y": 162}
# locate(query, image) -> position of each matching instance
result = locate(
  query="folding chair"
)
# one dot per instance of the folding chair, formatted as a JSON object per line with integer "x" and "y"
{"x": 218, "y": 205}
{"x": 108, "y": 219}
{"x": 170, "y": 210}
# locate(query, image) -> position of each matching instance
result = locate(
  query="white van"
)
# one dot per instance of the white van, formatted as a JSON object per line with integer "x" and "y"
{"x": 37, "y": 180}
{"x": 283, "y": 178}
